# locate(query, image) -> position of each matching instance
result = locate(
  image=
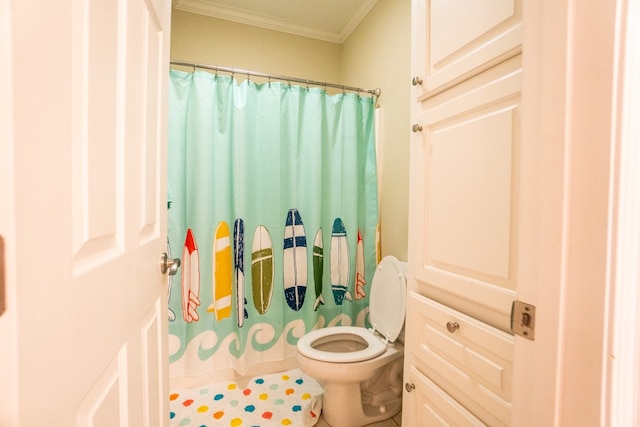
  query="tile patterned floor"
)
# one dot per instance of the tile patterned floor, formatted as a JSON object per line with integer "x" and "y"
{"x": 392, "y": 422}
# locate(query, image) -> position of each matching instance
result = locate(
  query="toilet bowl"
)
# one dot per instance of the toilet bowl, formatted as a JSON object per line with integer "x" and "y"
{"x": 360, "y": 368}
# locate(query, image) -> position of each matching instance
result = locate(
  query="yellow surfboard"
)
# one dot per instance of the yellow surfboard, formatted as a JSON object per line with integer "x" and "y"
{"x": 222, "y": 273}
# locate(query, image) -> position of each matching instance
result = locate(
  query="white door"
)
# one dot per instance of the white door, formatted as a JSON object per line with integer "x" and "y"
{"x": 86, "y": 313}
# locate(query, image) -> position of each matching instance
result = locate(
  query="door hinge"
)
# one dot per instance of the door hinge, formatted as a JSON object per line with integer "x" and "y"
{"x": 523, "y": 319}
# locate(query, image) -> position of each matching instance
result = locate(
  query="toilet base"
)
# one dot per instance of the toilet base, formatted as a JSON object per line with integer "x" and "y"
{"x": 358, "y": 404}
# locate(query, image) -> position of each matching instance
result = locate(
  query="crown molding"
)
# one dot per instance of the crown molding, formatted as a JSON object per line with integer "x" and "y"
{"x": 356, "y": 19}
{"x": 241, "y": 16}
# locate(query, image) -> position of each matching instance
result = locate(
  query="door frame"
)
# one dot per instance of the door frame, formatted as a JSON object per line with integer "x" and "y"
{"x": 572, "y": 143}
{"x": 623, "y": 344}
{"x": 8, "y": 322}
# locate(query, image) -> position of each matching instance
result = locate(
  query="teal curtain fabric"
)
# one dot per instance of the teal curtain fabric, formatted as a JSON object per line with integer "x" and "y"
{"x": 273, "y": 207}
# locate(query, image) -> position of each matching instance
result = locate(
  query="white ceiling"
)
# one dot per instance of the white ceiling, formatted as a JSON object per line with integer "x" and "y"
{"x": 329, "y": 20}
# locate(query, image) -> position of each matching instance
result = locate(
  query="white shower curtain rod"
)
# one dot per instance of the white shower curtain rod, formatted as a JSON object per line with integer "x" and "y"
{"x": 375, "y": 92}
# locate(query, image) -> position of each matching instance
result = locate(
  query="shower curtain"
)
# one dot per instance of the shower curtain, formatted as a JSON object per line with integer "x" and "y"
{"x": 273, "y": 210}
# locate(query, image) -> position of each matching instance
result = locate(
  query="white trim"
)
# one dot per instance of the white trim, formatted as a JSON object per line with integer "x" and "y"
{"x": 571, "y": 101}
{"x": 542, "y": 240}
{"x": 623, "y": 344}
{"x": 9, "y": 408}
{"x": 379, "y": 134}
{"x": 356, "y": 19}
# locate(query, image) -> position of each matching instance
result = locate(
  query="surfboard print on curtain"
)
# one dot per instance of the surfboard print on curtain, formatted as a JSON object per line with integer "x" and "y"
{"x": 262, "y": 269}
{"x": 298, "y": 148}
{"x": 360, "y": 272}
{"x": 295, "y": 260}
{"x": 340, "y": 263}
{"x": 222, "y": 277}
{"x": 190, "y": 278}
{"x": 238, "y": 262}
{"x": 318, "y": 266}
{"x": 171, "y": 313}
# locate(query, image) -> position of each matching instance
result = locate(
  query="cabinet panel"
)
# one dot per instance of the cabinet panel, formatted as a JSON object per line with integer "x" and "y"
{"x": 455, "y": 39}
{"x": 464, "y": 212}
{"x": 433, "y": 407}
{"x": 473, "y": 362}
{"x": 469, "y": 190}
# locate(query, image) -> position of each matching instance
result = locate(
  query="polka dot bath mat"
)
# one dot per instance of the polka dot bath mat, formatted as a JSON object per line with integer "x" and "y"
{"x": 288, "y": 398}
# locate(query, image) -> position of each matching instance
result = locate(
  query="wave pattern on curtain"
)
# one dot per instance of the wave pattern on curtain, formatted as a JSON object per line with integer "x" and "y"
{"x": 273, "y": 203}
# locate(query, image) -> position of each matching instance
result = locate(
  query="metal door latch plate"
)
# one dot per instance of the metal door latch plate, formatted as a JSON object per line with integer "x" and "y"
{"x": 523, "y": 319}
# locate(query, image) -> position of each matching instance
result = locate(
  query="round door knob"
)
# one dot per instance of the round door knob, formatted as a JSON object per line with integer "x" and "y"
{"x": 416, "y": 128}
{"x": 169, "y": 265}
{"x": 409, "y": 387}
{"x": 452, "y": 326}
{"x": 416, "y": 81}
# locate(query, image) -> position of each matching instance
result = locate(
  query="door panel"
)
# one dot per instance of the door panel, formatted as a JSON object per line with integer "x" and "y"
{"x": 97, "y": 156}
{"x": 472, "y": 362}
{"x": 466, "y": 194}
{"x": 459, "y": 39}
{"x": 431, "y": 406}
{"x": 90, "y": 160}
{"x": 153, "y": 361}
{"x": 104, "y": 403}
{"x": 151, "y": 121}
{"x": 470, "y": 200}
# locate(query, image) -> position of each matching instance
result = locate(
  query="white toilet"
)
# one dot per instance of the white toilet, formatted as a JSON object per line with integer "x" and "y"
{"x": 360, "y": 368}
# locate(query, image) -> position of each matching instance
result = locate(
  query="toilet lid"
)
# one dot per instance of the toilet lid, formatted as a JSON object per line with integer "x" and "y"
{"x": 387, "y": 304}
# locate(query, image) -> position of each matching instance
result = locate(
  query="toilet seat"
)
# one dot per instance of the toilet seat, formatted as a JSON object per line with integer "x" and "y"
{"x": 387, "y": 306}
{"x": 375, "y": 346}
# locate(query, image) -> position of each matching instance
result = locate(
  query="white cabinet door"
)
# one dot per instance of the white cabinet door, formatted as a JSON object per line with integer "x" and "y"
{"x": 430, "y": 406}
{"x": 456, "y": 39}
{"x": 464, "y": 195}
{"x": 464, "y": 214}
{"x": 463, "y": 245}
{"x": 469, "y": 360}
{"x": 88, "y": 307}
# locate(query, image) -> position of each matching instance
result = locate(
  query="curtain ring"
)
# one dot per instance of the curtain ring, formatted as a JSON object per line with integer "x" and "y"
{"x": 269, "y": 80}
{"x": 248, "y": 77}
{"x": 307, "y": 85}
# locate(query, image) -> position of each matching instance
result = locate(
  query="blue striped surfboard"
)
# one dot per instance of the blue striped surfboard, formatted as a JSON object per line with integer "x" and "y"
{"x": 340, "y": 262}
{"x": 238, "y": 263}
{"x": 294, "y": 260}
